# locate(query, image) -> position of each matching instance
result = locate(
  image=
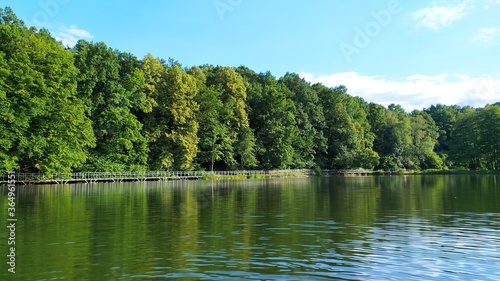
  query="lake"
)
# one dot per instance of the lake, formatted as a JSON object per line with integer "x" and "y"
{"x": 317, "y": 228}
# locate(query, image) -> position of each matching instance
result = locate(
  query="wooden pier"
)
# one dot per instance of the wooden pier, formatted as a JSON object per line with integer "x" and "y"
{"x": 94, "y": 177}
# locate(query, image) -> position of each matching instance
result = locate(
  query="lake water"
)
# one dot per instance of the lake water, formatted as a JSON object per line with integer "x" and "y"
{"x": 318, "y": 228}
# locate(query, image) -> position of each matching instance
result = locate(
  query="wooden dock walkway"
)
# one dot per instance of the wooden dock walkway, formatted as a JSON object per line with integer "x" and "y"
{"x": 94, "y": 177}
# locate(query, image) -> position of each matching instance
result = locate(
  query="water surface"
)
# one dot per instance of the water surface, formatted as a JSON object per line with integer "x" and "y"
{"x": 343, "y": 228}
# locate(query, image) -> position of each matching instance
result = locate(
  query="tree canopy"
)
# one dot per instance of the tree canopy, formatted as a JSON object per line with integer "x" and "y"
{"x": 94, "y": 108}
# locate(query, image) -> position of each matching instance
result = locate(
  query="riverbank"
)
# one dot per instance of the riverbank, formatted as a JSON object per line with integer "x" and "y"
{"x": 448, "y": 172}
{"x": 94, "y": 177}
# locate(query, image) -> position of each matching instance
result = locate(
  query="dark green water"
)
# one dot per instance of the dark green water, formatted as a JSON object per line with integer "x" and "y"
{"x": 340, "y": 228}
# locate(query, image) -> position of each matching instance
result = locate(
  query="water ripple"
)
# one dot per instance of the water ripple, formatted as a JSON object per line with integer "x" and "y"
{"x": 394, "y": 248}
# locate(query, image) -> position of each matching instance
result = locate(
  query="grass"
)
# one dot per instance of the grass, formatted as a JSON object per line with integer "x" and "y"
{"x": 290, "y": 174}
{"x": 458, "y": 172}
{"x": 439, "y": 172}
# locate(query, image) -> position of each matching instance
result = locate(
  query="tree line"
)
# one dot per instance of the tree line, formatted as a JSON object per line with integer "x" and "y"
{"x": 94, "y": 108}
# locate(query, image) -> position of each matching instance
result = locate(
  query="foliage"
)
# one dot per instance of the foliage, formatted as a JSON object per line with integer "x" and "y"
{"x": 310, "y": 143}
{"x": 476, "y": 139}
{"x": 349, "y": 138}
{"x": 111, "y": 87}
{"x": 273, "y": 119}
{"x": 172, "y": 126}
{"x": 215, "y": 137}
{"x": 234, "y": 97}
{"x": 42, "y": 121}
{"x": 94, "y": 108}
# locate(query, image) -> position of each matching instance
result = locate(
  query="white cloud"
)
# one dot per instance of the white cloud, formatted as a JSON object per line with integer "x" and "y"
{"x": 416, "y": 91}
{"x": 69, "y": 36}
{"x": 488, "y": 36}
{"x": 489, "y": 3}
{"x": 436, "y": 16}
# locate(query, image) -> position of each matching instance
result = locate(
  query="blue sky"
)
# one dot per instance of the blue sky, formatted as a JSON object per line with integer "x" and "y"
{"x": 413, "y": 53}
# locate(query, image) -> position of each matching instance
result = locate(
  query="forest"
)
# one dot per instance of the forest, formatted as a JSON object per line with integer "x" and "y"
{"x": 95, "y": 108}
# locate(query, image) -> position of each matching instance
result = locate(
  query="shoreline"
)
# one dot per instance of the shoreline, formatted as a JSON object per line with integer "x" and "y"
{"x": 95, "y": 177}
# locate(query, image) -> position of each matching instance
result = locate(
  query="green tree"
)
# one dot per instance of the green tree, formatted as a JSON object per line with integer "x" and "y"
{"x": 475, "y": 143}
{"x": 311, "y": 143}
{"x": 172, "y": 127}
{"x": 42, "y": 122}
{"x": 112, "y": 93}
{"x": 234, "y": 96}
{"x": 180, "y": 94}
{"x": 489, "y": 141}
{"x": 272, "y": 115}
{"x": 445, "y": 118}
{"x": 395, "y": 140}
{"x": 377, "y": 119}
{"x": 216, "y": 140}
{"x": 347, "y": 130}
{"x": 464, "y": 144}
{"x": 424, "y": 134}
